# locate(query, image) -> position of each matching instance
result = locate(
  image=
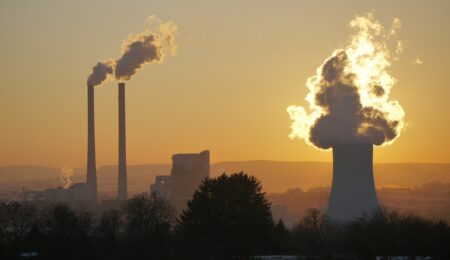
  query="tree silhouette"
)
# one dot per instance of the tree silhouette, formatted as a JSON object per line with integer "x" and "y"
{"x": 16, "y": 222}
{"x": 388, "y": 233}
{"x": 66, "y": 234}
{"x": 313, "y": 235}
{"x": 228, "y": 216}
{"x": 282, "y": 239}
{"x": 147, "y": 229}
{"x": 108, "y": 234}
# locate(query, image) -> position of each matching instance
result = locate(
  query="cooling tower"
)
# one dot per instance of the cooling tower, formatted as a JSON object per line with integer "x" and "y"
{"x": 353, "y": 189}
{"x": 91, "y": 178}
{"x": 122, "y": 189}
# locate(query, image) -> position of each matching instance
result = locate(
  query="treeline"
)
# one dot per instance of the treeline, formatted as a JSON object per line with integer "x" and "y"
{"x": 228, "y": 217}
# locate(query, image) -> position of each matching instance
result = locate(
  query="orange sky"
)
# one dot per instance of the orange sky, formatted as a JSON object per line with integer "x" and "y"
{"x": 239, "y": 65}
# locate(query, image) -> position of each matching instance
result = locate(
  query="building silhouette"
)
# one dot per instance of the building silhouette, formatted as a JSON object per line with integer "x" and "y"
{"x": 91, "y": 168}
{"x": 122, "y": 191}
{"x": 188, "y": 171}
{"x": 353, "y": 189}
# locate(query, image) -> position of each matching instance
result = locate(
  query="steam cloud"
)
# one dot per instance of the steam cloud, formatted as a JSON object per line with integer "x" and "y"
{"x": 66, "y": 174}
{"x": 348, "y": 96}
{"x": 137, "y": 50}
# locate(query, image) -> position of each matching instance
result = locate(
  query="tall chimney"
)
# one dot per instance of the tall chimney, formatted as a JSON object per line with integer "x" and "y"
{"x": 353, "y": 189}
{"x": 122, "y": 189}
{"x": 91, "y": 178}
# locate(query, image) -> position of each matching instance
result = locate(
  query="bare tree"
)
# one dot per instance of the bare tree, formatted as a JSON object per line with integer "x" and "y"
{"x": 16, "y": 221}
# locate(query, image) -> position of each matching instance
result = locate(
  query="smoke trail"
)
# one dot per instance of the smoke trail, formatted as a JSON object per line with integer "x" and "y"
{"x": 66, "y": 174}
{"x": 138, "y": 50}
{"x": 348, "y": 96}
{"x": 100, "y": 72}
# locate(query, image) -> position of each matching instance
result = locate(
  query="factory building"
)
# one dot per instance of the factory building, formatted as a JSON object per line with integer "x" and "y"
{"x": 188, "y": 171}
{"x": 75, "y": 193}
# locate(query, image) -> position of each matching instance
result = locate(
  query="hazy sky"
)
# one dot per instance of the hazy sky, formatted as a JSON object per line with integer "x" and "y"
{"x": 239, "y": 65}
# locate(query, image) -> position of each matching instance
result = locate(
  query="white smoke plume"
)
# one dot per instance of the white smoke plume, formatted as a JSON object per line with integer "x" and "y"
{"x": 348, "y": 97}
{"x": 137, "y": 51}
{"x": 66, "y": 174}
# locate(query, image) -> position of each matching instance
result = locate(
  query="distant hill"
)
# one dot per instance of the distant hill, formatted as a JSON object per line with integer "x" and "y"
{"x": 31, "y": 172}
{"x": 275, "y": 176}
{"x": 280, "y": 176}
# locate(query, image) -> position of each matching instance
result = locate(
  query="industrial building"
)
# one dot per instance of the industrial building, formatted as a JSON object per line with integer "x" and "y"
{"x": 86, "y": 194}
{"x": 188, "y": 171}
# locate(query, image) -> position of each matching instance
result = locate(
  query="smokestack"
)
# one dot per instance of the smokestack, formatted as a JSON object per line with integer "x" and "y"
{"x": 122, "y": 189}
{"x": 353, "y": 189}
{"x": 91, "y": 178}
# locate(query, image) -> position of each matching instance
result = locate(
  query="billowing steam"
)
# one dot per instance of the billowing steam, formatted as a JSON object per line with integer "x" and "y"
{"x": 137, "y": 50}
{"x": 66, "y": 174}
{"x": 348, "y": 97}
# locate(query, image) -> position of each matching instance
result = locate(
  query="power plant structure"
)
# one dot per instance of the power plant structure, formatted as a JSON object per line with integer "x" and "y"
{"x": 122, "y": 176}
{"x": 91, "y": 168}
{"x": 353, "y": 188}
{"x": 188, "y": 171}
